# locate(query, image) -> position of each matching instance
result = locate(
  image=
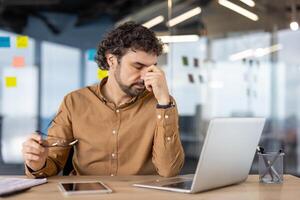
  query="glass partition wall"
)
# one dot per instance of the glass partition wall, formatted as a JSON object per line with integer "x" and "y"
{"x": 241, "y": 70}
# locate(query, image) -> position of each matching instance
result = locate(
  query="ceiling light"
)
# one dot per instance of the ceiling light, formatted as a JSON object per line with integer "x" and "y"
{"x": 294, "y": 26}
{"x": 166, "y": 48}
{"x": 238, "y": 9}
{"x": 264, "y": 51}
{"x": 259, "y": 52}
{"x": 184, "y": 16}
{"x": 241, "y": 55}
{"x": 248, "y": 2}
{"x": 178, "y": 38}
{"x": 154, "y": 21}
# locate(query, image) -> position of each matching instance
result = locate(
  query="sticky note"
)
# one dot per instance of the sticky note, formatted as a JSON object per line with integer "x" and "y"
{"x": 191, "y": 78}
{"x": 91, "y": 54}
{"x": 201, "y": 79}
{"x": 102, "y": 74}
{"x": 248, "y": 92}
{"x": 18, "y": 61}
{"x": 22, "y": 41}
{"x": 196, "y": 62}
{"x": 11, "y": 81}
{"x": 4, "y": 42}
{"x": 185, "y": 61}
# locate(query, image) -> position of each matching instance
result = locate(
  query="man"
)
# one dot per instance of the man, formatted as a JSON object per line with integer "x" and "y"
{"x": 126, "y": 125}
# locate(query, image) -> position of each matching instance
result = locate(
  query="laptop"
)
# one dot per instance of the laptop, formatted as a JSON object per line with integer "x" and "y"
{"x": 226, "y": 158}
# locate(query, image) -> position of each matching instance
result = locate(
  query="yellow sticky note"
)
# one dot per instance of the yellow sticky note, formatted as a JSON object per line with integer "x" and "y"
{"x": 18, "y": 61}
{"x": 11, "y": 81}
{"x": 102, "y": 74}
{"x": 22, "y": 41}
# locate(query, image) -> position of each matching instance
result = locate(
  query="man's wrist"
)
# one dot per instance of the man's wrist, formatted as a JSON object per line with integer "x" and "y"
{"x": 164, "y": 101}
{"x": 169, "y": 105}
{"x": 36, "y": 170}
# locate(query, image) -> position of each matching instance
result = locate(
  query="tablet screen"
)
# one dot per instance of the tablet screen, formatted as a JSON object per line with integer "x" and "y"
{"x": 83, "y": 186}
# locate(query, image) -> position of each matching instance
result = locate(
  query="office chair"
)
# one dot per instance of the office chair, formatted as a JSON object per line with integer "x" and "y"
{"x": 69, "y": 164}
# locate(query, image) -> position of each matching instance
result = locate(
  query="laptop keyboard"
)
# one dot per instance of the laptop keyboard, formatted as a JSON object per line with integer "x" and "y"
{"x": 181, "y": 185}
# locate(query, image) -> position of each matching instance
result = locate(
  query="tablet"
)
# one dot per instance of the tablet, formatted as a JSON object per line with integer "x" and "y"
{"x": 84, "y": 187}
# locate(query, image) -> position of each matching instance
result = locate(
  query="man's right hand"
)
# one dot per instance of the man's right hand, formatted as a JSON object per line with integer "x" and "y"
{"x": 34, "y": 153}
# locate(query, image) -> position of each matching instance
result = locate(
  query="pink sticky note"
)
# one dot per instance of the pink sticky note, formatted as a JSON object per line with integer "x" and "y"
{"x": 18, "y": 61}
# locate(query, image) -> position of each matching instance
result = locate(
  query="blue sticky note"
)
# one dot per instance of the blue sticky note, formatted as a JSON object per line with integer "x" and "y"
{"x": 4, "y": 42}
{"x": 91, "y": 54}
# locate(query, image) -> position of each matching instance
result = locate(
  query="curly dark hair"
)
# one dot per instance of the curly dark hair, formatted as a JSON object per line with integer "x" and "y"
{"x": 126, "y": 36}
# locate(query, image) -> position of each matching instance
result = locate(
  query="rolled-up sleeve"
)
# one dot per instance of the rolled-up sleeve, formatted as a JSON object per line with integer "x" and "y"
{"x": 61, "y": 127}
{"x": 168, "y": 154}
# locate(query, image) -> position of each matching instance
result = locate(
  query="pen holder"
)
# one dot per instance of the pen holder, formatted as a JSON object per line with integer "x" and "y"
{"x": 270, "y": 167}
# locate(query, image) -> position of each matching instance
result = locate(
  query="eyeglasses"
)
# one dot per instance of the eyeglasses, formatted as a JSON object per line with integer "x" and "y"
{"x": 54, "y": 141}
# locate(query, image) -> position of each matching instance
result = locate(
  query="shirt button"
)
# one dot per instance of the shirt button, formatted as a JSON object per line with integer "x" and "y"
{"x": 158, "y": 116}
{"x": 113, "y": 155}
{"x": 168, "y": 138}
{"x": 111, "y": 174}
{"x": 166, "y": 116}
{"x": 117, "y": 110}
{"x": 114, "y": 132}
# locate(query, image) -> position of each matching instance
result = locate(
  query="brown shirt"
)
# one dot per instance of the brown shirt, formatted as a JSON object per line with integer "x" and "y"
{"x": 135, "y": 138}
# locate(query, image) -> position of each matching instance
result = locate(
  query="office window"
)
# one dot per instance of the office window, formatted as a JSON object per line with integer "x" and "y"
{"x": 18, "y": 97}
{"x": 91, "y": 68}
{"x": 60, "y": 74}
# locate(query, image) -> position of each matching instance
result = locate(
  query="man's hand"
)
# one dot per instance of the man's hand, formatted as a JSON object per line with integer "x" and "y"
{"x": 33, "y": 153}
{"x": 155, "y": 81}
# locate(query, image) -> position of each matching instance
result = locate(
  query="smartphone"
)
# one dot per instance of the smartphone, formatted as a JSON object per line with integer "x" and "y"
{"x": 84, "y": 187}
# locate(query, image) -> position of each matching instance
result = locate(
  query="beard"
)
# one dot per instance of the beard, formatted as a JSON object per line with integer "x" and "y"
{"x": 131, "y": 90}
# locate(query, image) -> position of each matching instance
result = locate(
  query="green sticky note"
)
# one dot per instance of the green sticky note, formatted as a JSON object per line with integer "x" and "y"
{"x": 185, "y": 61}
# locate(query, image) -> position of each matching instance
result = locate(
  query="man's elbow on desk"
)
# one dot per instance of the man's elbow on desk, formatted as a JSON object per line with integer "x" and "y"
{"x": 169, "y": 171}
{"x": 172, "y": 168}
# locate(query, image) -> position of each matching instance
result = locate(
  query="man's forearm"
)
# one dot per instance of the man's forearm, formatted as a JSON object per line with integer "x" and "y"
{"x": 168, "y": 154}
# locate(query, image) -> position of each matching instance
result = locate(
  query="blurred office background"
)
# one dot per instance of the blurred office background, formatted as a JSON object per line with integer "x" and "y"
{"x": 222, "y": 58}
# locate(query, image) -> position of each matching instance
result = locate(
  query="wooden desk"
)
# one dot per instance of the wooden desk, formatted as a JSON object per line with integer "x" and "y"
{"x": 249, "y": 190}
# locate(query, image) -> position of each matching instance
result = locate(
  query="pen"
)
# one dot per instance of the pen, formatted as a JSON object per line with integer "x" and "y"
{"x": 270, "y": 165}
{"x": 262, "y": 151}
{"x": 58, "y": 141}
{"x": 40, "y": 132}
